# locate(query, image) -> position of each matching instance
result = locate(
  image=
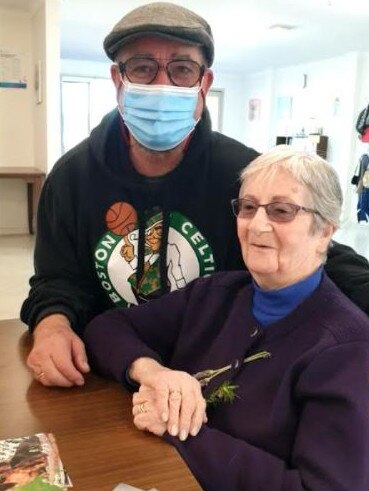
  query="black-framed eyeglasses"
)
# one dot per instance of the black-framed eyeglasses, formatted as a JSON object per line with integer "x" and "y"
{"x": 277, "y": 211}
{"x": 143, "y": 70}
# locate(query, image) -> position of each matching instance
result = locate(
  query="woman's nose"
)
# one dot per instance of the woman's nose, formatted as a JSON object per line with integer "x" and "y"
{"x": 260, "y": 221}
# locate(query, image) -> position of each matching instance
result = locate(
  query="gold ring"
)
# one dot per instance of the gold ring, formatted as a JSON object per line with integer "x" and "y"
{"x": 141, "y": 408}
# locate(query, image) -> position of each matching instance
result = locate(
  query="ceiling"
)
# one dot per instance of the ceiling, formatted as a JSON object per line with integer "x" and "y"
{"x": 243, "y": 40}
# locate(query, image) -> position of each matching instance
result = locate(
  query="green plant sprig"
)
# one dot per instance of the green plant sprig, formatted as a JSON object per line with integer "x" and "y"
{"x": 206, "y": 376}
{"x": 226, "y": 392}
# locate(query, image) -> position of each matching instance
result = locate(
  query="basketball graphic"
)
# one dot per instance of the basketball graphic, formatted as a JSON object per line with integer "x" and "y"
{"x": 121, "y": 218}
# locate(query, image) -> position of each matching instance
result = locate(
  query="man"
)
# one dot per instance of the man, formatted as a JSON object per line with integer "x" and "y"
{"x": 153, "y": 160}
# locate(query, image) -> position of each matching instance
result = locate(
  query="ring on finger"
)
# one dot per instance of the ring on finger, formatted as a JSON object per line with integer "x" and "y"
{"x": 40, "y": 375}
{"x": 141, "y": 408}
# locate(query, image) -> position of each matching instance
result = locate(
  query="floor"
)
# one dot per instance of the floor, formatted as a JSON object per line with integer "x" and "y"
{"x": 16, "y": 264}
{"x": 16, "y": 267}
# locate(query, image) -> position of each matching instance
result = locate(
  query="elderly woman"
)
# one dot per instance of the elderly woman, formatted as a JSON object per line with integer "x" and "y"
{"x": 282, "y": 362}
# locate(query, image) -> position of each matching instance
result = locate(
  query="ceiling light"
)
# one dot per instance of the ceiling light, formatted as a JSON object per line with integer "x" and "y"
{"x": 281, "y": 27}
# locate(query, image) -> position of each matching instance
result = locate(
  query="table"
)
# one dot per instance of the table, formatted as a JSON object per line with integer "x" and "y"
{"x": 34, "y": 178}
{"x": 98, "y": 443}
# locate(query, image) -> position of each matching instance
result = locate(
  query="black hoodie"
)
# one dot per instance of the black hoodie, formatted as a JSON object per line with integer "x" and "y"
{"x": 108, "y": 236}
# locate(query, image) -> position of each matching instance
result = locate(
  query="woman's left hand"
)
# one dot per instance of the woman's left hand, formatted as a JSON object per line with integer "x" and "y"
{"x": 175, "y": 396}
{"x": 146, "y": 414}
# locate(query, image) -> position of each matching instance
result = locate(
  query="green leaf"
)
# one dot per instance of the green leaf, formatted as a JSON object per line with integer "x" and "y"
{"x": 257, "y": 356}
{"x": 38, "y": 484}
{"x": 226, "y": 392}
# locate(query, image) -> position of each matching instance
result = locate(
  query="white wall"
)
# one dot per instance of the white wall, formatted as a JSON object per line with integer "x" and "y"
{"x": 39, "y": 109}
{"x": 343, "y": 79}
{"x": 234, "y": 117}
{"x": 29, "y": 132}
{"x": 84, "y": 68}
{"x": 258, "y": 131}
{"x": 52, "y": 78}
{"x": 46, "y": 109}
{"x": 16, "y": 122}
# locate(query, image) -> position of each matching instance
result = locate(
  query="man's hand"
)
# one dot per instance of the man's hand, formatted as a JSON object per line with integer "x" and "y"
{"x": 173, "y": 397}
{"x": 58, "y": 356}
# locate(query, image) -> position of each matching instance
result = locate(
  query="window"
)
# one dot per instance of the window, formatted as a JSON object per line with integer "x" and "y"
{"x": 86, "y": 100}
{"x": 75, "y": 113}
{"x": 214, "y": 102}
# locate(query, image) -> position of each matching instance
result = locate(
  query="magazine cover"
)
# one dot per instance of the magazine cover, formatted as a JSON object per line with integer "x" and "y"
{"x": 32, "y": 463}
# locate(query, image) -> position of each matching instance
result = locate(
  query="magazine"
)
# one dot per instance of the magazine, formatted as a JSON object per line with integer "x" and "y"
{"x": 32, "y": 463}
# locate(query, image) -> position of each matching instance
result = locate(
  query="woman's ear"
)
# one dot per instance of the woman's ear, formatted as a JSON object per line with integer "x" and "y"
{"x": 326, "y": 235}
{"x": 330, "y": 230}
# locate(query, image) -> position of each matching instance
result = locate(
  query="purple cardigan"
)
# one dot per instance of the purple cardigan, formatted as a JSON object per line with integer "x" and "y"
{"x": 301, "y": 419}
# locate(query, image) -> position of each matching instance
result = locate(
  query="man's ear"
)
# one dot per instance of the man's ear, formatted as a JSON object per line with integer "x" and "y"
{"x": 116, "y": 76}
{"x": 207, "y": 81}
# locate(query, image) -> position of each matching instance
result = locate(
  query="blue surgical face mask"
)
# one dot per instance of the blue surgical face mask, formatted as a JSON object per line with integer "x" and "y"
{"x": 159, "y": 117}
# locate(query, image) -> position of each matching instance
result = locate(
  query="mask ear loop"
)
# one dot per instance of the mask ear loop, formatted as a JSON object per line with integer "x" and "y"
{"x": 120, "y": 99}
{"x": 201, "y": 90}
{"x": 120, "y": 75}
{"x": 120, "y": 93}
{"x": 203, "y": 101}
{"x": 125, "y": 131}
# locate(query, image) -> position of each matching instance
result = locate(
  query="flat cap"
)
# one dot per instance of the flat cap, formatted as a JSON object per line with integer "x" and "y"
{"x": 165, "y": 20}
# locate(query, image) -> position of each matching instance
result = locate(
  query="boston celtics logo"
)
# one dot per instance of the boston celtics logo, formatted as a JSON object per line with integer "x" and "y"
{"x": 116, "y": 254}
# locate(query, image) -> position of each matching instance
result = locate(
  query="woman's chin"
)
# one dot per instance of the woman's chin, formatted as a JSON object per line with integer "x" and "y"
{"x": 262, "y": 267}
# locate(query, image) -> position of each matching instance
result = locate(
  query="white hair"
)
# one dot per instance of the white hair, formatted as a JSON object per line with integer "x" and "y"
{"x": 309, "y": 170}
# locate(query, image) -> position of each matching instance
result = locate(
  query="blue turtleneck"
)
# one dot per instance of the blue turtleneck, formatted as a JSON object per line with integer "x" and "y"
{"x": 271, "y": 305}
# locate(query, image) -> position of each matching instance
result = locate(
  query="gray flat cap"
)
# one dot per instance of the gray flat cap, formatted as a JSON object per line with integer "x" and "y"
{"x": 165, "y": 20}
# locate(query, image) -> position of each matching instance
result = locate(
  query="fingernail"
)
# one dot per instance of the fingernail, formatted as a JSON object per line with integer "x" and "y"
{"x": 195, "y": 431}
{"x": 174, "y": 430}
{"x": 164, "y": 417}
{"x": 183, "y": 435}
{"x": 80, "y": 381}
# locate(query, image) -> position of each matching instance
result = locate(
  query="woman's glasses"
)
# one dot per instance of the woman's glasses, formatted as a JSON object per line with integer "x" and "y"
{"x": 277, "y": 212}
{"x": 142, "y": 70}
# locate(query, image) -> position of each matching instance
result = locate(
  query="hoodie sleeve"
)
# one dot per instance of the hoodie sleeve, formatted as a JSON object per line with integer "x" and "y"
{"x": 115, "y": 339}
{"x": 60, "y": 283}
{"x": 350, "y": 272}
{"x": 331, "y": 447}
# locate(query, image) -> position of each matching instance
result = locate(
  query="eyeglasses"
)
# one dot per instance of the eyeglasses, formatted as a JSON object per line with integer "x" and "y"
{"x": 277, "y": 212}
{"x": 142, "y": 70}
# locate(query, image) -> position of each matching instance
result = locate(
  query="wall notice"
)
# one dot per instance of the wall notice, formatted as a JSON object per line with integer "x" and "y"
{"x": 12, "y": 70}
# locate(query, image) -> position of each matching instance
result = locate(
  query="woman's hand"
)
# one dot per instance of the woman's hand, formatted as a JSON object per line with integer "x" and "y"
{"x": 172, "y": 397}
{"x": 145, "y": 413}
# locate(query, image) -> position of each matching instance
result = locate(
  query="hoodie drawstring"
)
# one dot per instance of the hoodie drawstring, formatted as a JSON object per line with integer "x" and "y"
{"x": 141, "y": 246}
{"x": 164, "y": 284}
